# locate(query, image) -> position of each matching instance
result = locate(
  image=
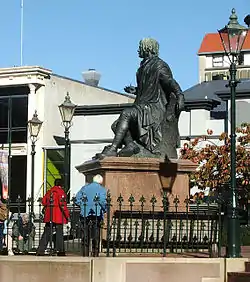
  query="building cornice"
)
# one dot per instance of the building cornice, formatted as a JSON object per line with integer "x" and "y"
{"x": 241, "y": 67}
{"x": 23, "y": 75}
{"x": 219, "y": 52}
{"x": 202, "y": 104}
{"x": 112, "y": 109}
{"x": 225, "y": 95}
{"x": 108, "y": 109}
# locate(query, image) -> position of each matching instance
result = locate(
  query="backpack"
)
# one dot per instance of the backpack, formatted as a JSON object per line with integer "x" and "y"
{"x": 3, "y": 212}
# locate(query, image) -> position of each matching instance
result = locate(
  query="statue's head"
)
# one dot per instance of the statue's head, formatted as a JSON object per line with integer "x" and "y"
{"x": 148, "y": 47}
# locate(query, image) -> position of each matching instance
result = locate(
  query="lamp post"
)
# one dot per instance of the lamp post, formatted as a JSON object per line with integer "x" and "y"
{"x": 67, "y": 109}
{"x": 34, "y": 126}
{"x": 232, "y": 37}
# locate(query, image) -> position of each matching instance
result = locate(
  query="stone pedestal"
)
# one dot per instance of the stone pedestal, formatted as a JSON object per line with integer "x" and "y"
{"x": 142, "y": 176}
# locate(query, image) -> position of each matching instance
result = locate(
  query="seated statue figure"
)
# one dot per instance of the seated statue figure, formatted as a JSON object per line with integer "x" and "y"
{"x": 149, "y": 128}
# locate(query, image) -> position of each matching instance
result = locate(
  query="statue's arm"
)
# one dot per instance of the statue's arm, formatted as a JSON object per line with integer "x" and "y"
{"x": 169, "y": 84}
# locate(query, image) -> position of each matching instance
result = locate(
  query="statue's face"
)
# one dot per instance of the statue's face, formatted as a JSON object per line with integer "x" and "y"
{"x": 140, "y": 51}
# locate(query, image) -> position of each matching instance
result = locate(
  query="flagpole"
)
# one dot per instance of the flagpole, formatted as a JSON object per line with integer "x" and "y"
{"x": 21, "y": 43}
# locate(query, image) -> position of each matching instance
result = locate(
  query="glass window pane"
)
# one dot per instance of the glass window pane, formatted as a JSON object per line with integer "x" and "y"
{"x": 54, "y": 165}
{"x": 19, "y": 112}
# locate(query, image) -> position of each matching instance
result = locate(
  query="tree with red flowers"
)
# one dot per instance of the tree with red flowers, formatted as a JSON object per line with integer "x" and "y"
{"x": 213, "y": 160}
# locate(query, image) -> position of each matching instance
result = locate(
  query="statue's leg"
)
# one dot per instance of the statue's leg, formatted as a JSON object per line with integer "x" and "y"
{"x": 122, "y": 127}
{"x": 127, "y": 139}
{"x": 114, "y": 125}
{"x": 121, "y": 131}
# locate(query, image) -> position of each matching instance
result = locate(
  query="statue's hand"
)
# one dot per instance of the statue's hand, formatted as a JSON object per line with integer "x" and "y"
{"x": 130, "y": 89}
{"x": 180, "y": 104}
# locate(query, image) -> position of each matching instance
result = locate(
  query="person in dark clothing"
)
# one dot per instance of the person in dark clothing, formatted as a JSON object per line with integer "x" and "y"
{"x": 92, "y": 201}
{"x": 1, "y": 235}
{"x": 23, "y": 233}
{"x": 56, "y": 214}
{"x": 3, "y": 217}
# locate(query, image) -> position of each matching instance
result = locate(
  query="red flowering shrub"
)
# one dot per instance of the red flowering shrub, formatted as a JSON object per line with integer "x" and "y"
{"x": 214, "y": 159}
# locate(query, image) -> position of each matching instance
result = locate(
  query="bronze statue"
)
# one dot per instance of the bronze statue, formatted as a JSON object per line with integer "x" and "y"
{"x": 150, "y": 127}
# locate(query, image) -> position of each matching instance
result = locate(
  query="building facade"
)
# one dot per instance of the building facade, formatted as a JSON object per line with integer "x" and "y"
{"x": 24, "y": 90}
{"x": 214, "y": 63}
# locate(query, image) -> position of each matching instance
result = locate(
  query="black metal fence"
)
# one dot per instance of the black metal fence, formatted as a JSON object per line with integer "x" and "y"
{"x": 129, "y": 227}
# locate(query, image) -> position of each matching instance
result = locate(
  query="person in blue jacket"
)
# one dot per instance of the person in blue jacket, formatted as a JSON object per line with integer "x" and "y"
{"x": 92, "y": 201}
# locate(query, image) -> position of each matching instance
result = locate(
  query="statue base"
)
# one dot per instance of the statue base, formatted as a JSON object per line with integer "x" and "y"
{"x": 145, "y": 177}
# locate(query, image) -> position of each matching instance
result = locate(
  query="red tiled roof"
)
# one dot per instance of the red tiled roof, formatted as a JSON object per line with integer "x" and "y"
{"x": 211, "y": 43}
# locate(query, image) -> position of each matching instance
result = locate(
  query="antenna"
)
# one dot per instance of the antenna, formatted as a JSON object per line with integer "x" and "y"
{"x": 21, "y": 43}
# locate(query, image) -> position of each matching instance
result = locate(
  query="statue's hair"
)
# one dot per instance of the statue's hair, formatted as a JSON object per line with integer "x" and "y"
{"x": 150, "y": 45}
{"x": 98, "y": 179}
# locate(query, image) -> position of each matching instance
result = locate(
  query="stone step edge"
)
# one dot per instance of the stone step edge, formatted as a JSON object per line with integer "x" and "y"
{"x": 212, "y": 279}
{"x": 245, "y": 273}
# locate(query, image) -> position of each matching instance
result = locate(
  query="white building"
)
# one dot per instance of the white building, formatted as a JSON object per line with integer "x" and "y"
{"x": 26, "y": 89}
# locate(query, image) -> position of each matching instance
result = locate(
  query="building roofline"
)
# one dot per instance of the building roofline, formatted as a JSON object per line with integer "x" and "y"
{"x": 211, "y": 43}
{"x": 107, "y": 109}
{"x": 102, "y": 88}
{"x": 112, "y": 109}
{"x": 240, "y": 94}
{"x": 24, "y": 70}
{"x": 218, "y": 52}
{"x": 201, "y": 104}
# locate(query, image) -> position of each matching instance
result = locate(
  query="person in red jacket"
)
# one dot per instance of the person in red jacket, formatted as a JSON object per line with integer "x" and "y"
{"x": 56, "y": 214}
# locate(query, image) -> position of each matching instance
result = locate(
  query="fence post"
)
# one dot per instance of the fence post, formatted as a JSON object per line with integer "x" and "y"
{"x": 73, "y": 232}
{"x": 51, "y": 203}
{"x": 120, "y": 201}
{"x": 41, "y": 215}
{"x": 220, "y": 228}
{"x": 165, "y": 207}
{"x": 142, "y": 201}
{"x": 153, "y": 201}
{"x": 85, "y": 237}
{"x": 131, "y": 201}
{"x": 108, "y": 202}
{"x": 31, "y": 215}
{"x": 176, "y": 202}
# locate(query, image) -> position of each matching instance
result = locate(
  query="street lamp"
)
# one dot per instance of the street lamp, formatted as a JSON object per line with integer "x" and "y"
{"x": 67, "y": 109}
{"x": 34, "y": 126}
{"x": 232, "y": 37}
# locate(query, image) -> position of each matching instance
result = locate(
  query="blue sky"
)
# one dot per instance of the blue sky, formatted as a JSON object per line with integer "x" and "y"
{"x": 70, "y": 36}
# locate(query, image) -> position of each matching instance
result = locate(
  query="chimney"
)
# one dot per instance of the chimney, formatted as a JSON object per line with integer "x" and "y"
{"x": 91, "y": 77}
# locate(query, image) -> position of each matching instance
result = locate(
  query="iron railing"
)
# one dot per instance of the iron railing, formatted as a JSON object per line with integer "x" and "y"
{"x": 130, "y": 226}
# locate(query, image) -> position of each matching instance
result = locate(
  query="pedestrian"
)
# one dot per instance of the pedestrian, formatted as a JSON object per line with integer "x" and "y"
{"x": 92, "y": 201}
{"x": 7, "y": 232}
{"x": 56, "y": 214}
{"x": 23, "y": 233}
{"x": 3, "y": 217}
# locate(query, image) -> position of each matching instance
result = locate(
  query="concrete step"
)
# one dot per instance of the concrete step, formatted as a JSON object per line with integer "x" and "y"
{"x": 208, "y": 279}
{"x": 238, "y": 277}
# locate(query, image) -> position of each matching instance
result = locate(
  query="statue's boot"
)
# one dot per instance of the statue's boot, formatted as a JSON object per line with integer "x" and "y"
{"x": 108, "y": 151}
{"x": 129, "y": 150}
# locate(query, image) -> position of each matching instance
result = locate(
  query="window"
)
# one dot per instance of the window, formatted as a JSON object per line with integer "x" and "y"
{"x": 13, "y": 119}
{"x": 54, "y": 166}
{"x": 217, "y": 61}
